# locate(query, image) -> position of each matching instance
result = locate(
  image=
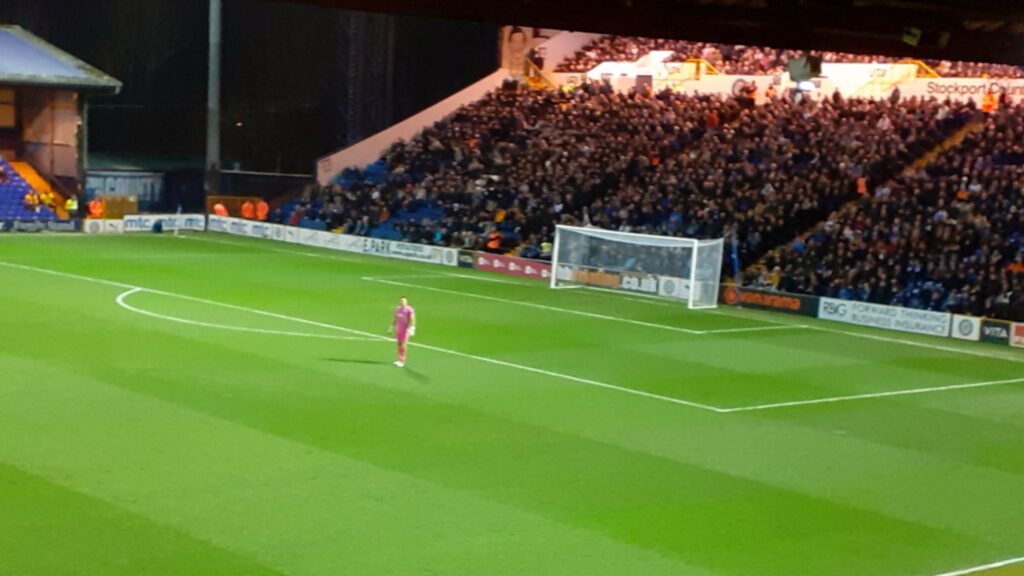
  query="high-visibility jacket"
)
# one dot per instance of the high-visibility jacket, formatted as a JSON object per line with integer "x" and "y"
{"x": 71, "y": 205}
{"x": 262, "y": 210}
{"x": 494, "y": 240}
{"x": 988, "y": 103}
{"x": 219, "y": 209}
{"x": 96, "y": 208}
{"x": 248, "y": 210}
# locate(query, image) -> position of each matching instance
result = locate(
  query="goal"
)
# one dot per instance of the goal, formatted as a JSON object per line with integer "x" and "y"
{"x": 681, "y": 268}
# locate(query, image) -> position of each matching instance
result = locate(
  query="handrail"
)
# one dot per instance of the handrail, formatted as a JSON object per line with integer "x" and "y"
{"x": 928, "y": 71}
{"x": 707, "y": 66}
{"x": 535, "y": 72}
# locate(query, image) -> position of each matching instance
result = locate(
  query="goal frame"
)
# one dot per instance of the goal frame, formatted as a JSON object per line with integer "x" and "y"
{"x": 694, "y": 243}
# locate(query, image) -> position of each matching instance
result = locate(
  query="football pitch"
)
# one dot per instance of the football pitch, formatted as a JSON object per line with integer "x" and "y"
{"x": 210, "y": 405}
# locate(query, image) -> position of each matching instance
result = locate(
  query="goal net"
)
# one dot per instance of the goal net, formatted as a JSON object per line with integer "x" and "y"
{"x": 682, "y": 268}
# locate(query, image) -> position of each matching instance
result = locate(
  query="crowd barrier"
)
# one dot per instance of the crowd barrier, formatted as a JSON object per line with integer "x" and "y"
{"x": 924, "y": 322}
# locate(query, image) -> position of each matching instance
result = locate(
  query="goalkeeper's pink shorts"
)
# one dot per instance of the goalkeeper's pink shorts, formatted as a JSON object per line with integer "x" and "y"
{"x": 402, "y": 336}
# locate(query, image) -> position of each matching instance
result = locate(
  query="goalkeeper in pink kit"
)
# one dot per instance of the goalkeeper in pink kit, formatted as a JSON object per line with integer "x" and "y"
{"x": 404, "y": 326}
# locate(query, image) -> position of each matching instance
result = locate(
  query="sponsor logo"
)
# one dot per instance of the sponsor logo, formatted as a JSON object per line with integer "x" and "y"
{"x": 40, "y": 226}
{"x": 374, "y": 246}
{"x": 965, "y": 327}
{"x": 834, "y": 308}
{"x": 771, "y": 301}
{"x": 509, "y": 265}
{"x": 670, "y": 286}
{"x": 94, "y": 227}
{"x": 887, "y": 317}
{"x": 635, "y": 283}
{"x": 465, "y": 259}
{"x": 995, "y": 331}
{"x": 1018, "y": 335}
{"x": 596, "y": 278}
{"x": 957, "y": 87}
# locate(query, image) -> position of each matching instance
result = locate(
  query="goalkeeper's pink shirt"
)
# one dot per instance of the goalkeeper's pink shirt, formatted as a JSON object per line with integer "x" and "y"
{"x": 403, "y": 315}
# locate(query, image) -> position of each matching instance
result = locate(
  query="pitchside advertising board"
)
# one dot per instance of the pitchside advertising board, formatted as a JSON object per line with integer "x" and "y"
{"x": 665, "y": 286}
{"x": 768, "y": 300}
{"x": 40, "y": 225}
{"x": 966, "y": 327}
{"x": 996, "y": 331}
{"x": 886, "y": 317}
{"x": 512, "y": 266}
{"x": 168, "y": 222}
{"x": 103, "y": 226}
{"x": 1017, "y": 336}
{"x": 332, "y": 241}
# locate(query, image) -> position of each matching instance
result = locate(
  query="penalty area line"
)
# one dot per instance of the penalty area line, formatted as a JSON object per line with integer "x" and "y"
{"x": 121, "y": 301}
{"x": 873, "y": 395}
{"x": 984, "y": 568}
{"x": 533, "y": 305}
{"x": 595, "y": 315}
{"x": 131, "y": 289}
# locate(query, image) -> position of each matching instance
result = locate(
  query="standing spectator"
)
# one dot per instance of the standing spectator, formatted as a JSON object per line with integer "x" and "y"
{"x": 71, "y": 206}
{"x": 248, "y": 210}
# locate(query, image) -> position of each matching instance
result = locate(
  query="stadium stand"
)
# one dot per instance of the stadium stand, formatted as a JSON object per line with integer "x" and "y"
{"x": 947, "y": 237}
{"x": 520, "y": 160}
{"x": 730, "y": 59}
{"x": 14, "y": 191}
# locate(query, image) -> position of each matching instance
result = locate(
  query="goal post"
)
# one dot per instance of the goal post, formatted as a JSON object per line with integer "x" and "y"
{"x": 681, "y": 268}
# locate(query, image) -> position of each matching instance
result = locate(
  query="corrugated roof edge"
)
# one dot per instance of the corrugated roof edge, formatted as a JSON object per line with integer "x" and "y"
{"x": 95, "y": 80}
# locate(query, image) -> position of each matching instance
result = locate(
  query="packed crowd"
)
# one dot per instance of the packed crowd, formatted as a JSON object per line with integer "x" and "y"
{"x": 500, "y": 173}
{"x": 946, "y": 238}
{"x": 730, "y": 59}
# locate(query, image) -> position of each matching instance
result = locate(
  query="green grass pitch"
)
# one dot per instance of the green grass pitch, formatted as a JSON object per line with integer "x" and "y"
{"x": 208, "y": 405}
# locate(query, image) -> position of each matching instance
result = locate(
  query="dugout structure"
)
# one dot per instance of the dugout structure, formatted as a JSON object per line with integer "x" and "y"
{"x": 43, "y": 105}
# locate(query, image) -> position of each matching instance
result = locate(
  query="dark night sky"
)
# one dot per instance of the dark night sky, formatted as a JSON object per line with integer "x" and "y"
{"x": 302, "y": 80}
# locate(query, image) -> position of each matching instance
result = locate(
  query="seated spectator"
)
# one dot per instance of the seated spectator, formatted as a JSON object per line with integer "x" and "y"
{"x": 32, "y": 202}
{"x": 947, "y": 237}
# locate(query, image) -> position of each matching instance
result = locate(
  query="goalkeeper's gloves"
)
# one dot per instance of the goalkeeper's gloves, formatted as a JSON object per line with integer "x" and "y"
{"x": 412, "y": 331}
{"x": 391, "y": 329}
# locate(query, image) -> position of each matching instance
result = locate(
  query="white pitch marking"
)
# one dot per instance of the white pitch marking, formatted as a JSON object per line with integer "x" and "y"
{"x": 482, "y": 279}
{"x": 756, "y": 329}
{"x": 494, "y": 361}
{"x": 985, "y": 568}
{"x": 641, "y": 298}
{"x": 582, "y": 313}
{"x": 534, "y": 305}
{"x": 733, "y": 312}
{"x": 570, "y": 378}
{"x": 124, "y": 296}
{"x": 874, "y": 395}
{"x": 722, "y": 312}
{"x": 502, "y": 362}
{"x": 918, "y": 344}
